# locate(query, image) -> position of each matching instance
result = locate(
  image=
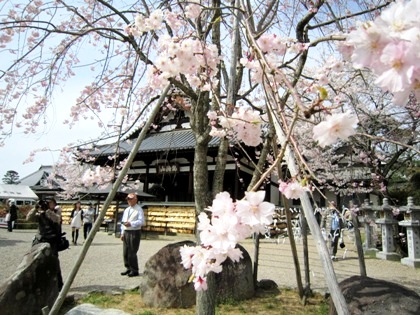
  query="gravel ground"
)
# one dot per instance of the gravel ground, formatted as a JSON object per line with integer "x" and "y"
{"x": 103, "y": 263}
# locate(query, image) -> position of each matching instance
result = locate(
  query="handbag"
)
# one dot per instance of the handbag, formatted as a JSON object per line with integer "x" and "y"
{"x": 63, "y": 243}
{"x": 7, "y": 219}
{"x": 341, "y": 241}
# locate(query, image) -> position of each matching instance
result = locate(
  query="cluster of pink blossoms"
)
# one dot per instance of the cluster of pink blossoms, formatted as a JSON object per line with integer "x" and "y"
{"x": 196, "y": 60}
{"x": 230, "y": 223}
{"x": 389, "y": 46}
{"x": 292, "y": 189}
{"x": 274, "y": 49}
{"x": 244, "y": 125}
{"x": 75, "y": 178}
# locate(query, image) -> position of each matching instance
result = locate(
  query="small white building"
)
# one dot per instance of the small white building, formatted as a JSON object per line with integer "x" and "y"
{"x": 22, "y": 194}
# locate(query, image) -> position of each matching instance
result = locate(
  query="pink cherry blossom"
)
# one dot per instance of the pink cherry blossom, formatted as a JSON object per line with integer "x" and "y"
{"x": 187, "y": 253}
{"x": 389, "y": 47}
{"x": 220, "y": 133}
{"x": 368, "y": 42}
{"x": 212, "y": 115}
{"x": 395, "y": 211}
{"x": 336, "y": 126}
{"x": 222, "y": 204}
{"x": 254, "y": 211}
{"x": 398, "y": 20}
{"x": 292, "y": 189}
{"x": 400, "y": 58}
{"x": 193, "y": 10}
{"x": 223, "y": 234}
{"x": 245, "y": 125}
{"x": 229, "y": 224}
{"x": 200, "y": 284}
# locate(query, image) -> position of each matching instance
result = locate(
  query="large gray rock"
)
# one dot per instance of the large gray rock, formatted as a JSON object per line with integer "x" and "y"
{"x": 370, "y": 296}
{"x": 165, "y": 280}
{"x": 90, "y": 309}
{"x": 34, "y": 284}
{"x": 236, "y": 281}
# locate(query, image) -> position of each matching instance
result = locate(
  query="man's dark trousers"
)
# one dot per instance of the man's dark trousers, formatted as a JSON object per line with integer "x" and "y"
{"x": 131, "y": 244}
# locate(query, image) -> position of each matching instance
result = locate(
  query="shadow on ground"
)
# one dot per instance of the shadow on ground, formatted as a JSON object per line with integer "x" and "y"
{"x": 5, "y": 243}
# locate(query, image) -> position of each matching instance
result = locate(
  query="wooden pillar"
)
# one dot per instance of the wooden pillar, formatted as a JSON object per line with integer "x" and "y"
{"x": 236, "y": 184}
{"x": 191, "y": 182}
{"x": 146, "y": 179}
{"x": 116, "y": 231}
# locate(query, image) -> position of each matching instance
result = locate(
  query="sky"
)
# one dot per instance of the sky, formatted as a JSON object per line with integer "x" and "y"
{"x": 18, "y": 148}
{"x": 54, "y": 136}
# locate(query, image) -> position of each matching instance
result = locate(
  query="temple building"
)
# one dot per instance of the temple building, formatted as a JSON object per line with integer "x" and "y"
{"x": 164, "y": 162}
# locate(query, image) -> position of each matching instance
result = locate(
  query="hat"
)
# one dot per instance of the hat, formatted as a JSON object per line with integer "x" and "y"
{"x": 132, "y": 196}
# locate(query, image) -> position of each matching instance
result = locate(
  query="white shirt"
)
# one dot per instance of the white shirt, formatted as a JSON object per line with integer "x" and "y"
{"x": 135, "y": 216}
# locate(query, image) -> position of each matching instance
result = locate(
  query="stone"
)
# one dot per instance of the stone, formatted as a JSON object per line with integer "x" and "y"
{"x": 368, "y": 296}
{"x": 236, "y": 281}
{"x": 34, "y": 284}
{"x": 165, "y": 280}
{"x": 90, "y": 309}
{"x": 267, "y": 285}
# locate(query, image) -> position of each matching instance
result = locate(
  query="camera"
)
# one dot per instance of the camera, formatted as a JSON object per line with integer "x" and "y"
{"x": 43, "y": 205}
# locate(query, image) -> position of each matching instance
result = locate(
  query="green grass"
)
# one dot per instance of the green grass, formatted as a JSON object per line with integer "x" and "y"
{"x": 101, "y": 299}
{"x": 285, "y": 302}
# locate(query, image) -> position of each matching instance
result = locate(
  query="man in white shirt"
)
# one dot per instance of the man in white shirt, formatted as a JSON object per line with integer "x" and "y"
{"x": 131, "y": 223}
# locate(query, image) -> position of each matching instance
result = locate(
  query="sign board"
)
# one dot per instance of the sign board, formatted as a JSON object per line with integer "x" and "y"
{"x": 167, "y": 168}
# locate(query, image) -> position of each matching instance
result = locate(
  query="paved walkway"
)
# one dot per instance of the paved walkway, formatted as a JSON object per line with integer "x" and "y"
{"x": 103, "y": 263}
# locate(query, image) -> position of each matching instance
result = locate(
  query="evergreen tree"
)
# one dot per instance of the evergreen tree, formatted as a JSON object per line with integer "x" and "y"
{"x": 11, "y": 178}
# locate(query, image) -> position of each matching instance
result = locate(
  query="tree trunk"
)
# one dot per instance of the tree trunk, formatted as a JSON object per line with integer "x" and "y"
{"x": 200, "y": 175}
{"x": 293, "y": 247}
{"x": 255, "y": 177}
{"x": 219, "y": 171}
{"x": 359, "y": 246}
{"x": 205, "y": 300}
{"x": 259, "y": 170}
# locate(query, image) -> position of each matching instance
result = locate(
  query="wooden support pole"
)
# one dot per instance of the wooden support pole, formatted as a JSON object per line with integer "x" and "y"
{"x": 330, "y": 277}
{"x": 61, "y": 296}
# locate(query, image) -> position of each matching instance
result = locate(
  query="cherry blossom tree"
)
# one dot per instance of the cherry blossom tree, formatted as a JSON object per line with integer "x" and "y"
{"x": 371, "y": 162}
{"x": 287, "y": 76}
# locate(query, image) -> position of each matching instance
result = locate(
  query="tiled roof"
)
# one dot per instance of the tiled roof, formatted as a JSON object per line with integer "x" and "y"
{"x": 35, "y": 178}
{"x": 159, "y": 142}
